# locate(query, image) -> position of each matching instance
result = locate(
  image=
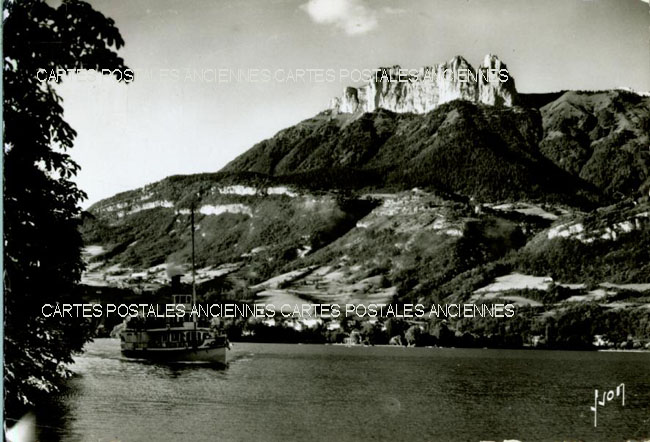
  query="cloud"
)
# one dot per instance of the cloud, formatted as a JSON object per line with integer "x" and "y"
{"x": 354, "y": 17}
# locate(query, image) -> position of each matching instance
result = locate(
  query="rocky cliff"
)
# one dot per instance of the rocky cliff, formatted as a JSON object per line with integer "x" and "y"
{"x": 420, "y": 91}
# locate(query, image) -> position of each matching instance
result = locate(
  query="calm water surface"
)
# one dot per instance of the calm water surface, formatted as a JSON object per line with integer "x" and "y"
{"x": 283, "y": 392}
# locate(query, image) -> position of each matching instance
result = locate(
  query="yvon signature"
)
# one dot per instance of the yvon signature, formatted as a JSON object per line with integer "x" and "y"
{"x": 607, "y": 396}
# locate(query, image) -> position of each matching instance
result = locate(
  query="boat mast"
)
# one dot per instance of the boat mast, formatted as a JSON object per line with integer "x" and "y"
{"x": 194, "y": 319}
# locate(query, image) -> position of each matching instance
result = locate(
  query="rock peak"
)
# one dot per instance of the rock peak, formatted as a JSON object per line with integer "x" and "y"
{"x": 422, "y": 90}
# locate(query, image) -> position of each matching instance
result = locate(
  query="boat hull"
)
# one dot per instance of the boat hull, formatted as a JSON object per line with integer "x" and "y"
{"x": 215, "y": 355}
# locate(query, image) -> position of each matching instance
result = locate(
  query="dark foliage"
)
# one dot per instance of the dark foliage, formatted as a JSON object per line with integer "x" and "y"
{"x": 41, "y": 214}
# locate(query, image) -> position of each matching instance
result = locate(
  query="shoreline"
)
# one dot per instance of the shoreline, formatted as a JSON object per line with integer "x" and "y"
{"x": 340, "y": 344}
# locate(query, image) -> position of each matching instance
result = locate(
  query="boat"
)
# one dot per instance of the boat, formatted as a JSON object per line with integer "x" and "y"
{"x": 179, "y": 338}
{"x": 175, "y": 339}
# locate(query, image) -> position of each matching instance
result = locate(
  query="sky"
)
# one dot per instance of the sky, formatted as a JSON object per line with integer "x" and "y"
{"x": 168, "y": 123}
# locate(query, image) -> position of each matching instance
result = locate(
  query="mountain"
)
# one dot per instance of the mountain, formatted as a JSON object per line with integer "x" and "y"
{"x": 539, "y": 200}
{"x": 423, "y": 90}
{"x": 480, "y": 151}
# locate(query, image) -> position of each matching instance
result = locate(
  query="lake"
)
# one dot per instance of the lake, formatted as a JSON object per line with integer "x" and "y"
{"x": 279, "y": 392}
